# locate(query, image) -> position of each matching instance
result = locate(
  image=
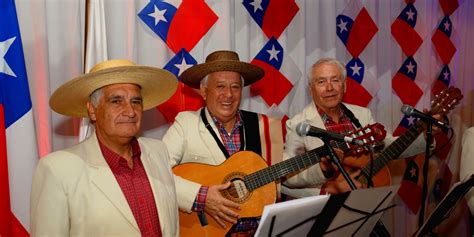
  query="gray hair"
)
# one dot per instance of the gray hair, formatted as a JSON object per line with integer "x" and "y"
{"x": 94, "y": 98}
{"x": 205, "y": 81}
{"x": 333, "y": 61}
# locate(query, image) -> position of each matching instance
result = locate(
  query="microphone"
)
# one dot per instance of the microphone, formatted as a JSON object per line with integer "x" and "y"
{"x": 410, "y": 111}
{"x": 305, "y": 129}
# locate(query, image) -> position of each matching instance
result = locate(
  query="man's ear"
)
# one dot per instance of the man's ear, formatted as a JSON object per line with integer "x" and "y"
{"x": 91, "y": 111}
{"x": 203, "y": 91}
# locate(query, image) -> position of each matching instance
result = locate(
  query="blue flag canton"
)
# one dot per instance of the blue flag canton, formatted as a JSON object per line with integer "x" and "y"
{"x": 409, "y": 15}
{"x": 445, "y": 26}
{"x": 158, "y": 15}
{"x": 271, "y": 53}
{"x": 445, "y": 75}
{"x": 14, "y": 92}
{"x": 409, "y": 68}
{"x": 343, "y": 27}
{"x": 408, "y": 121}
{"x": 180, "y": 62}
{"x": 355, "y": 70}
{"x": 256, "y": 10}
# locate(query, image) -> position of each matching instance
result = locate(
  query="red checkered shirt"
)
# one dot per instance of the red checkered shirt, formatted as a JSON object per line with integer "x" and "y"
{"x": 136, "y": 187}
{"x": 343, "y": 127}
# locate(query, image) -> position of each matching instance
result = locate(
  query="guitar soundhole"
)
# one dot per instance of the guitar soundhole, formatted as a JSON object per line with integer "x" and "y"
{"x": 237, "y": 192}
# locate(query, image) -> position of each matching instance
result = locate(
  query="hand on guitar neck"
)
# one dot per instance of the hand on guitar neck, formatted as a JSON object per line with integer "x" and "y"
{"x": 337, "y": 185}
{"x": 219, "y": 207}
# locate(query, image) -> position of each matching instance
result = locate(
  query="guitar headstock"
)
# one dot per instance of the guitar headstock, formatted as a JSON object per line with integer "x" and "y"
{"x": 445, "y": 101}
{"x": 370, "y": 135}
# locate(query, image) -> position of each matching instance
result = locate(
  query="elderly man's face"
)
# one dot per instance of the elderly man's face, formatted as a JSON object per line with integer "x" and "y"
{"x": 222, "y": 94}
{"x": 118, "y": 115}
{"x": 327, "y": 86}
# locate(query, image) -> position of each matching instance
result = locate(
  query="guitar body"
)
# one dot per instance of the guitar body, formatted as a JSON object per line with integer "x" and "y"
{"x": 233, "y": 169}
{"x": 380, "y": 178}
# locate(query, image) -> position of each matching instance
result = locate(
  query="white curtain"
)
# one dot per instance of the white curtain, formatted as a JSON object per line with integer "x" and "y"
{"x": 53, "y": 40}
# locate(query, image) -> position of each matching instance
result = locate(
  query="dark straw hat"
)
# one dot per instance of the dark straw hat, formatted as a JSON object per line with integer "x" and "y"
{"x": 222, "y": 61}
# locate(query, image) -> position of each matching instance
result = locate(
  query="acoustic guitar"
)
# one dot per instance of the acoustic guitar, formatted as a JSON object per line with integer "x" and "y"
{"x": 253, "y": 181}
{"x": 442, "y": 104}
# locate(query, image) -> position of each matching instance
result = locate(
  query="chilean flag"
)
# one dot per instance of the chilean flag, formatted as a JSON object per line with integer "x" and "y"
{"x": 185, "y": 98}
{"x": 180, "y": 27}
{"x": 359, "y": 87}
{"x": 443, "y": 80}
{"x": 441, "y": 41}
{"x": 272, "y": 16}
{"x": 404, "y": 125}
{"x": 355, "y": 28}
{"x": 410, "y": 189}
{"x": 404, "y": 84}
{"x": 403, "y": 30}
{"x": 274, "y": 86}
{"x": 18, "y": 150}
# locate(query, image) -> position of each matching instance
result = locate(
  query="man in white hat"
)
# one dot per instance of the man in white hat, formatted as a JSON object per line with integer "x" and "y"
{"x": 218, "y": 130}
{"x": 113, "y": 183}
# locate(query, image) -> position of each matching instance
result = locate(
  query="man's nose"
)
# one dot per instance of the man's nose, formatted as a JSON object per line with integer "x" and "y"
{"x": 129, "y": 110}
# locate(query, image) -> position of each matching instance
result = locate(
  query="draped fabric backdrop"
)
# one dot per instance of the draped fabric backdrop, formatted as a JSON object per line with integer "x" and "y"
{"x": 62, "y": 39}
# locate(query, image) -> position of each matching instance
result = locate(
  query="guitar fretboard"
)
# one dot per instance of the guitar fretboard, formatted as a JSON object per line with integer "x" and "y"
{"x": 284, "y": 168}
{"x": 393, "y": 151}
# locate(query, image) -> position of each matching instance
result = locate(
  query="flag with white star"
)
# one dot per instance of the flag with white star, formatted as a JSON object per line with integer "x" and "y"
{"x": 355, "y": 28}
{"x": 404, "y": 85}
{"x": 441, "y": 40}
{"x": 443, "y": 80}
{"x": 180, "y": 27}
{"x": 272, "y": 16}
{"x": 274, "y": 86}
{"x": 185, "y": 98}
{"x": 17, "y": 130}
{"x": 410, "y": 189}
{"x": 403, "y": 30}
{"x": 361, "y": 85}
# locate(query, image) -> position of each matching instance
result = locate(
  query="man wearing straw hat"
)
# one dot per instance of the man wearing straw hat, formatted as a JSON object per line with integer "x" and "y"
{"x": 114, "y": 183}
{"x": 215, "y": 132}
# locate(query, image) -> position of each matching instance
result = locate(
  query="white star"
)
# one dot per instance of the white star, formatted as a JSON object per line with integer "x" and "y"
{"x": 257, "y": 4}
{"x": 410, "y": 14}
{"x": 413, "y": 172}
{"x": 342, "y": 26}
{"x": 446, "y": 26}
{"x": 446, "y": 75}
{"x": 411, "y": 120}
{"x": 4, "y": 47}
{"x": 158, "y": 15}
{"x": 273, "y": 53}
{"x": 355, "y": 69}
{"x": 410, "y": 67}
{"x": 183, "y": 66}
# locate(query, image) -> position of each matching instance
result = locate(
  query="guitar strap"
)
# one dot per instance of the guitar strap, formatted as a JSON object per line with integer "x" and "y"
{"x": 214, "y": 135}
{"x": 249, "y": 133}
{"x": 356, "y": 123}
{"x": 351, "y": 116}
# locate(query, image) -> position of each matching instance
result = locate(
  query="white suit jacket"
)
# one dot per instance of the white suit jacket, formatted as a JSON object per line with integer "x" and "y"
{"x": 467, "y": 163}
{"x": 309, "y": 182}
{"x": 188, "y": 140}
{"x": 75, "y": 193}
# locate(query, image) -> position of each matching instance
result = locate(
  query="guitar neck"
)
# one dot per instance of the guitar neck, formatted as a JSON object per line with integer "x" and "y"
{"x": 392, "y": 152}
{"x": 284, "y": 168}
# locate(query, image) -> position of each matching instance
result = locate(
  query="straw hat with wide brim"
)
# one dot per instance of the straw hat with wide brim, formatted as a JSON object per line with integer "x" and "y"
{"x": 156, "y": 85}
{"x": 222, "y": 61}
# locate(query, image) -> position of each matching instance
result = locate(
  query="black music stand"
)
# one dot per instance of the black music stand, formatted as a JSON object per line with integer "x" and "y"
{"x": 347, "y": 214}
{"x": 446, "y": 206}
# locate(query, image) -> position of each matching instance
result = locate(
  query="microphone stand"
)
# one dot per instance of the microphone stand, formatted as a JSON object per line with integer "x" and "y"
{"x": 424, "y": 190}
{"x": 379, "y": 229}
